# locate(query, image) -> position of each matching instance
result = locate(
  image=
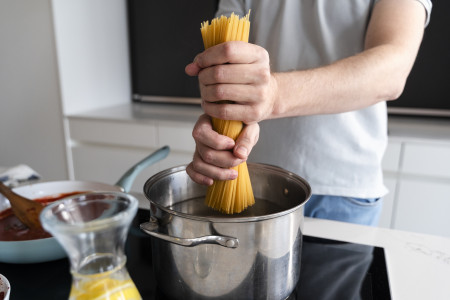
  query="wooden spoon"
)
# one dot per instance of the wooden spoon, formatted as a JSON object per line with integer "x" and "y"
{"x": 26, "y": 210}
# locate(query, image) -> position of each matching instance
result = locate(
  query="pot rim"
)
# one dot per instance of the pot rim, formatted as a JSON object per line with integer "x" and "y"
{"x": 230, "y": 218}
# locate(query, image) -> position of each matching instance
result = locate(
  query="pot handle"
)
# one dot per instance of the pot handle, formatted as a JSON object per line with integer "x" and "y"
{"x": 127, "y": 179}
{"x": 152, "y": 226}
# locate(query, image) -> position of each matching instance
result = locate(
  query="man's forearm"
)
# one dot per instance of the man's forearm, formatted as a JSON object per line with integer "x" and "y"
{"x": 377, "y": 74}
{"x": 349, "y": 84}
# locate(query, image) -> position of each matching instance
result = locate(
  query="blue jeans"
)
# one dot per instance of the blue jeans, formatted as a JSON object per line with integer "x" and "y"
{"x": 346, "y": 209}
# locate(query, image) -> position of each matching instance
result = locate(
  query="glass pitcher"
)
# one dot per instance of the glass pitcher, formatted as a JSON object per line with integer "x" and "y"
{"x": 93, "y": 228}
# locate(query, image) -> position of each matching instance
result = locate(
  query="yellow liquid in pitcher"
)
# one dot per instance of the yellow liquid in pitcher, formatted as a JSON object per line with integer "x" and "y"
{"x": 105, "y": 289}
{"x": 114, "y": 284}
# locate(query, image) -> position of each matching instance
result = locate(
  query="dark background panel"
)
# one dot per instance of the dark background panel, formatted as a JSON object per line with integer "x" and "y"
{"x": 427, "y": 85}
{"x": 164, "y": 37}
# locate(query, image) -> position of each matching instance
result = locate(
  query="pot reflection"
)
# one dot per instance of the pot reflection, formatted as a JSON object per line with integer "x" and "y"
{"x": 334, "y": 270}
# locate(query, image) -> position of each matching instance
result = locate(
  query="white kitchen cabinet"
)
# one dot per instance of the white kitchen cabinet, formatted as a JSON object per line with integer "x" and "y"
{"x": 105, "y": 143}
{"x": 177, "y": 134}
{"x": 417, "y": 172}
{"x": 423, "y": 198}
{"x": 110, "y": 132}
{"x": 391, "y": 158}
{"x": 390, "y": 181}
{"x": 108, "y": 163}
{"x": 390, "y": 164}
{"x": 423, "y": 206}
{"x": 427, "y": 159}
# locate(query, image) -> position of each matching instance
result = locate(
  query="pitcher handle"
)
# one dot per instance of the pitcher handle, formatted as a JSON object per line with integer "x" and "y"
{"x": 151, "y": 228}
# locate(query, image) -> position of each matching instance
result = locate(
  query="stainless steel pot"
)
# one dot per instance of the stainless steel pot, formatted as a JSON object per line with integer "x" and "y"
{"x": 199, "y": 253}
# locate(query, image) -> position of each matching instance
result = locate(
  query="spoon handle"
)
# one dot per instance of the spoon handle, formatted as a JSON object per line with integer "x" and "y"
{"x": 26, "y": 210}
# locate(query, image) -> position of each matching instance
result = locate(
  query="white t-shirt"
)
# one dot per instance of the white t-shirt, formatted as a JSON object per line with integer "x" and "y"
{"x": 338, "y": 154}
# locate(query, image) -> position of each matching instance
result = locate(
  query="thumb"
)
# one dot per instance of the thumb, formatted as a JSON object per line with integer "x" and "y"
{"x": 193, "y": 68}
{"x": 246, "y": 141}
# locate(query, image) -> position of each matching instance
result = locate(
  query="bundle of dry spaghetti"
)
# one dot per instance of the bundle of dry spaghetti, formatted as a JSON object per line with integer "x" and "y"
{"x": 230, "y": 196}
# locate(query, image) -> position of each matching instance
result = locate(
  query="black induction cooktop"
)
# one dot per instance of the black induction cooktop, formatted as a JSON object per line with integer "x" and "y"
{"x": 330, "y": 270}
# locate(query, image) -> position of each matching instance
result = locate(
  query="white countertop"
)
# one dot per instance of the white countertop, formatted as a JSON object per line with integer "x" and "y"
{"x": 413, "y": 128}
{"x": 418, "y": 264}
{"x": 143, "y": 113}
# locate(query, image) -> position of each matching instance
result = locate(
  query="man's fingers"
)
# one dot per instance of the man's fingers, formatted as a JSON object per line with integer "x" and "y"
{"x": 204, "y": 134}
{"x": 231, "y": 73}
{"x": 204, "y": 173}
{"x": 246, "y": 141}
{"x": 234, "y": 52}
{"x": 212, "y": 147}
{"x": 198, "y": 177}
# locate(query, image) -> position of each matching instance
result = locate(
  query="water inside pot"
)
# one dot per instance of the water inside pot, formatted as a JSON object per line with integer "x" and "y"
{"x": 277, "y": 192}
{"x": 196, "y": 206}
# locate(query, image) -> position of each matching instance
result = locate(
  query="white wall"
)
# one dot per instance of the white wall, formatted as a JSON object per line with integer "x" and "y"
{"x": 57, "y": 57}
{"x": 92, "y": 48}
{"x": 31, "y": 130}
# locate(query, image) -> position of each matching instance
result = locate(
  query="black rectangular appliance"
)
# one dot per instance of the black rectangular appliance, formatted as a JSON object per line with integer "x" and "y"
{"x": 164, "y": 36}
{"x": 426, "y": 92}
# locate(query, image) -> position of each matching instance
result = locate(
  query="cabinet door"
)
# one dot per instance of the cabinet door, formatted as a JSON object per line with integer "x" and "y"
{"x": 108, "y": 164}
{"x": 427, "y": 159}
{"x": 176, "y": 158}
{"x": 388, "y": 201}
{"x": 113, "y": 133}
{"x": 423, "y": 206}
{"x": 391, "y": 158}
{"x": 177, "y": 135}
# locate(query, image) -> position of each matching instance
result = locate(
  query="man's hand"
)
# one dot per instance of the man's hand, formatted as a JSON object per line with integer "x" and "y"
{"x": 215, "y": 154}
{"x": 238, "y": 72}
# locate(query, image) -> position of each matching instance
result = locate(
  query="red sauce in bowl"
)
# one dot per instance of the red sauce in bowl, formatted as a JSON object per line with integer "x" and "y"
{"x": 11, "y": 229}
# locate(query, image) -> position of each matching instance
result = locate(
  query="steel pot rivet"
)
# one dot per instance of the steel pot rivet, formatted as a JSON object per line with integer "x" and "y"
{"x": 231, "y": 244}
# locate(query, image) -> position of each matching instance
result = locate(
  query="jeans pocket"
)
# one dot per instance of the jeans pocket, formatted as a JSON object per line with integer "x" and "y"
{"x": 369, "y": 202}
{"x": 346, "y": 209}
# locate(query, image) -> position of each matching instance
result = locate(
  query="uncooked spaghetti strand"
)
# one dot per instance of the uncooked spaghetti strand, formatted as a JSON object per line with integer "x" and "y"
{"x": 232, "y": 196}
